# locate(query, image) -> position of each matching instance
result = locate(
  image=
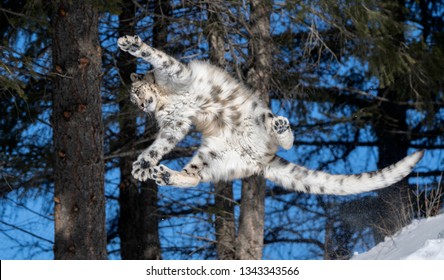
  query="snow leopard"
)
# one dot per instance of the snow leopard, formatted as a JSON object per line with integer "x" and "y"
{"x": 240, "y": 133}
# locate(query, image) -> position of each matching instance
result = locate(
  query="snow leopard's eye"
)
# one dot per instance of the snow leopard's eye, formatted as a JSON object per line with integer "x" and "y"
{"x": 138, "y": 92}
{"x": 150, "y": 100}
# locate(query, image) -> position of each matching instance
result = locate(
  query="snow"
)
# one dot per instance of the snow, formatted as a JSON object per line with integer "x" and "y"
{"x": 421, "y": 240}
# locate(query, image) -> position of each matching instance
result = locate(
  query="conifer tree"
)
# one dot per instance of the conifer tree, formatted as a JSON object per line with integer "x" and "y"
{"x": 79, "y": 213}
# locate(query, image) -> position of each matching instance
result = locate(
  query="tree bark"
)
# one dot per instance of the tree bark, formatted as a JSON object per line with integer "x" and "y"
{"x": 394, "y": 210}
{"x": 129, "y": 227}
{"x": 224, "y": 202}
{"x": 224, "y": 221}
{"x": 250, "y": 236}
{"x": 250, "y": 239}
{"x": 78, "y": 133}
{"x": 215, "y": 34}
{"x": 138, "y": 220}
{"x": 393, "y": 203}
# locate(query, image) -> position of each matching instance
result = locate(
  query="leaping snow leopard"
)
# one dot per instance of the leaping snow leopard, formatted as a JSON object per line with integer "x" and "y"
{"x": 240, "y": 134}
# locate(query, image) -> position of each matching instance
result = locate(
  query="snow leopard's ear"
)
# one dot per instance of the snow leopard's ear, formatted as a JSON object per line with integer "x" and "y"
{"x": 136, "y": 77}
{"x": 149, "y": 77}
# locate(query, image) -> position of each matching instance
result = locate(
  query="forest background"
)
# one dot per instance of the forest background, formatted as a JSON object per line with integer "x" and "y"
{"x": 361, "y": 82}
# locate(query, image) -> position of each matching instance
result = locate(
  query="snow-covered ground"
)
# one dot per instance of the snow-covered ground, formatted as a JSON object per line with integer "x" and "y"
{"x": 421, "y": 240}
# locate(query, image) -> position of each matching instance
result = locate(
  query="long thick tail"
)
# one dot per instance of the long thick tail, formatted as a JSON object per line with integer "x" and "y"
{"x": 298, "y": 178}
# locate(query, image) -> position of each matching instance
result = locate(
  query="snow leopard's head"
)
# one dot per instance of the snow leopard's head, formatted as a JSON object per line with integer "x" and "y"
{"x": 144, "y": 92}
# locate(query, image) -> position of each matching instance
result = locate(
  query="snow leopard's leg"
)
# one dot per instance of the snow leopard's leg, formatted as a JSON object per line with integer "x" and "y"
{"x": 167, "y": 138}
{"x": 166, "y": 68}
{"x": 188, "y": 177}
{"x": 191, "y": 175}
{"x": 164, "y": 176}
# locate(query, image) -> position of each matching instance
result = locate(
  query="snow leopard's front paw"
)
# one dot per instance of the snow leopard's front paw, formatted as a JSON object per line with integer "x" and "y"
{"x": 129, "y": 43}
{"x": 162, "y": 175}
{"x": 141, "y": 166}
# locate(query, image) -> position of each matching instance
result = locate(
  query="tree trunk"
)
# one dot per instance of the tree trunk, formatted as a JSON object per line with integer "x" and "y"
{"x": 393, "y": 202}
{"x": 250, "y": 237}
{"x": 131, "y": 247}
{"x": 138, "y": 220}
{"x": 224, "y": 221}
{"x": 338, "y": 239}
{"x": 394, "y": 210}
{"x": 215, "y": 34}
{"x": 224, "y": 202}
{"x": 78, "y": 133}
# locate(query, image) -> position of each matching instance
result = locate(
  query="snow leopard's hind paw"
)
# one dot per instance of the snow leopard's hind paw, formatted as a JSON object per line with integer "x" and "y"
{"x": 129, "y": 43}
{"x": 280, "y": 124}
{"x": 282, "y": 130}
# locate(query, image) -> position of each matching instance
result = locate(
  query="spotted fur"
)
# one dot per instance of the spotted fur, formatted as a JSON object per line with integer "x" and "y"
{"x": 240, "y": 135}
